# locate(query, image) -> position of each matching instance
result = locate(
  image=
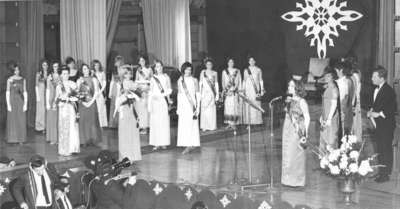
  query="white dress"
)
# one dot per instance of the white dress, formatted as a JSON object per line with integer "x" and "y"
{"x": 68, "y": 132}
{"x": 141, "y": 105}
{"x": 188, "y": 128}
{"x": 253, "y": 116}
{"x": 158, "y": 108}
{"x": 100, "y": 101}
{"x": 208, "y": 109}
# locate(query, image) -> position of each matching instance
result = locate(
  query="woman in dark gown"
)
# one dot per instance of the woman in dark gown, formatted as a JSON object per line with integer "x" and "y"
{"x": 17, "y": 101}
{"x": 89, "y": 125}
{"x": 51, "y": 106}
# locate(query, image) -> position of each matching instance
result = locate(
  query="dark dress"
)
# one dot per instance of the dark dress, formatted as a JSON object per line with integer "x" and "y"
{"x": 89, "y": 125}
{"x": 16, "y": 119}
{"x": 52, "y": 113}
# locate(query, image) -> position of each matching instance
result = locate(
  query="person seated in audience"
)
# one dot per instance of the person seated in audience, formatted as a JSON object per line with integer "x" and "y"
{"x": 6, "y": 162}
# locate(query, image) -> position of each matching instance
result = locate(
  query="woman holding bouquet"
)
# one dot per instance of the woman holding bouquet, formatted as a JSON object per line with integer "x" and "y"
{"x": 17, "y": 101}
{"x": 160, "y": 89}
{"x": 112, "y": 92}
{"x": 142, "y": 78}
{"x": 128, "y": 128}
{"x": 53, "y": 80}
{"x": 209, "y": 91}
{"x": 231, "y": 83}
{"x": 68, "y": 129}
{"x": 89, "y": 125}
{"x": 188, "y": 109}
{"x": 295, "y": 131}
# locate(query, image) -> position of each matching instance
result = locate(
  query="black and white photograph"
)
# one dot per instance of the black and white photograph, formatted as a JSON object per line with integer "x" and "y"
{"x": 199, "y": 104}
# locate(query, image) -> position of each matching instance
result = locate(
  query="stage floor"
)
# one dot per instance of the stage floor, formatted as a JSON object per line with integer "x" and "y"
{"x": 213, "y": 166}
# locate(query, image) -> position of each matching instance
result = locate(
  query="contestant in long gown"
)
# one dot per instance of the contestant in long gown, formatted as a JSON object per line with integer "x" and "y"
{"x": 17, "y": 100}
{"x": 231, "y": 84}
{"x": 295, "y": 126}
{"x": 188, "y": 110}
{"x": 143, "y": 75}
{"x": 357, "y": 118}
{"x": 253, "y": 87}
{"x": 209, "y": 92}
{"x": 68, "y": 129}
{"x": 330, "y": 114}
{"x": 100, "y": 87}
{"x": 128, "y": 131}
{"x": 112, "y": 94}
{"x": 89, "y": 125}
{"x": 40, "y": 89}
{"x": 51, "y": 106}
{"x": 160, "y": 89}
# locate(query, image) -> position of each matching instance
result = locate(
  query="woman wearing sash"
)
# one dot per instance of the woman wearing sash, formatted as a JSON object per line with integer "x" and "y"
{"x": 253, "y": 87}
{"x": 101, "y": 86}
{"x": 40, "y": 89}
{"x": 68, "y": 128}
{"x": 160, "y": 89}
{"x": 209, "y": 92}
{"x": 53, "y": 80}
{"x": 143, "y": 75}
{"x": 17, "y": 104}
{"x": 231, "y": 83}
{"x": 188, "y": 109}
{"x": 295, "y": 129}
{"x": 357, "y": 119}
{"x": 89, "y": 125}
{"x": 128, "y": 129}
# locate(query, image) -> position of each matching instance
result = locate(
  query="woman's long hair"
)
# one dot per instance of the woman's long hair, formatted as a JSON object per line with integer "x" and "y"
{"x": 42, "y": 74}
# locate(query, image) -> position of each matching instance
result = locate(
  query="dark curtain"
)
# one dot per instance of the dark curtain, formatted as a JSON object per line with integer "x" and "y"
{"x": 113, "y": 8}
{"x": 238, "y": 28}
{"x": 31, "y": 48}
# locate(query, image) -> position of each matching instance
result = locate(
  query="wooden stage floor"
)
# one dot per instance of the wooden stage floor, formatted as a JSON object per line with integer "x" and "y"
{"x": 213, "y": 166}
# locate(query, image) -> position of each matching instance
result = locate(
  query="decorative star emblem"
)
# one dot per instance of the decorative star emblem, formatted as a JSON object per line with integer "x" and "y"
{"x": 264, "y": 205}
{"x": 157, "y": 189}
{"x": 2, "y": 189}
{"x": 188, "y": 194}
{"x": 321, "y": 19}
{"x": 225, "y": 201}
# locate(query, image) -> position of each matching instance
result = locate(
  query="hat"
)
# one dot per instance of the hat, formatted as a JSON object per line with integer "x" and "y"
{"x": 37, "y": 161}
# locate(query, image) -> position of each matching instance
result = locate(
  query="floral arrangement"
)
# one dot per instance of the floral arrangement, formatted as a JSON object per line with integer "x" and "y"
{"x": 346, "y": 161}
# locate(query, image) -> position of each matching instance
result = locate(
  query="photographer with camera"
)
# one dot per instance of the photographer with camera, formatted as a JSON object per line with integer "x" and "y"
{"x": 106, "y": 190}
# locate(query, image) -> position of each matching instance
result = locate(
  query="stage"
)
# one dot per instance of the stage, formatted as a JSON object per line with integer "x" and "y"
{"x": 213, "y": 166}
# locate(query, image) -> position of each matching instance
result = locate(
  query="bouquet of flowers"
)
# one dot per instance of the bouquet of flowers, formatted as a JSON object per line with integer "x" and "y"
{"x": 346, "y": 161}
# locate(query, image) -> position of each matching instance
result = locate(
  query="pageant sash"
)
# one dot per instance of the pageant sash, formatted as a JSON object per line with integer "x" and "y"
{"x": 210, "y": 83}
{"x": 231, "y": 82}
{"x": 161, "y": 88}
{"x": 258, "y": 91}
{"x": 194, "y": 106}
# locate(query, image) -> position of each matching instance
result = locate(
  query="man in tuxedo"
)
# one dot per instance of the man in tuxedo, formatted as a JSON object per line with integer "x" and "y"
{"x": 34, "y": 189}
{"x": 383, "y": 113}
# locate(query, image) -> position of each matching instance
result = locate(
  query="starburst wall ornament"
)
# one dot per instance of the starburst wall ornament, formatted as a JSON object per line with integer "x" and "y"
{"x": 321, "y": 20}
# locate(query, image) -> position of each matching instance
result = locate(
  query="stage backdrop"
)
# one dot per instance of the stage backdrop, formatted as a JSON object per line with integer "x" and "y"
{"x": 83, "y": 30}
{"x": 238, "y": 28}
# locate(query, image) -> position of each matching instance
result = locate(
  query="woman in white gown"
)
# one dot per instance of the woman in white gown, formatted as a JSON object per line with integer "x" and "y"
{"x": 68, "y": 129}
{"x": 142, "y": 78}
{"x": 253, "y": 87}
{"x": 160, "y": 89}
{"x": 188, "y": 109}
{"x": 100, "y": 100}
{"x": 209, "y": 95}
{"x": 231, "y": 84}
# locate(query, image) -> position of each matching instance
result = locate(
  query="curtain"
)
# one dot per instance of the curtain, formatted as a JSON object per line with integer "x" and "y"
{"x": 167, "y": 30}
{"x": 385, "y": 55}
{"x": 203, "y": 36}
{"x": 83, "y": 30}
{"x": 31, "y": 48}
{"x": 113, "y": 8}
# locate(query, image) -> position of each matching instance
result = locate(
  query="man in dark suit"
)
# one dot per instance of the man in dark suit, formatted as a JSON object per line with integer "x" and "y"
{"x": 382, "y": 113}
{"x": 34, "y": 189}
